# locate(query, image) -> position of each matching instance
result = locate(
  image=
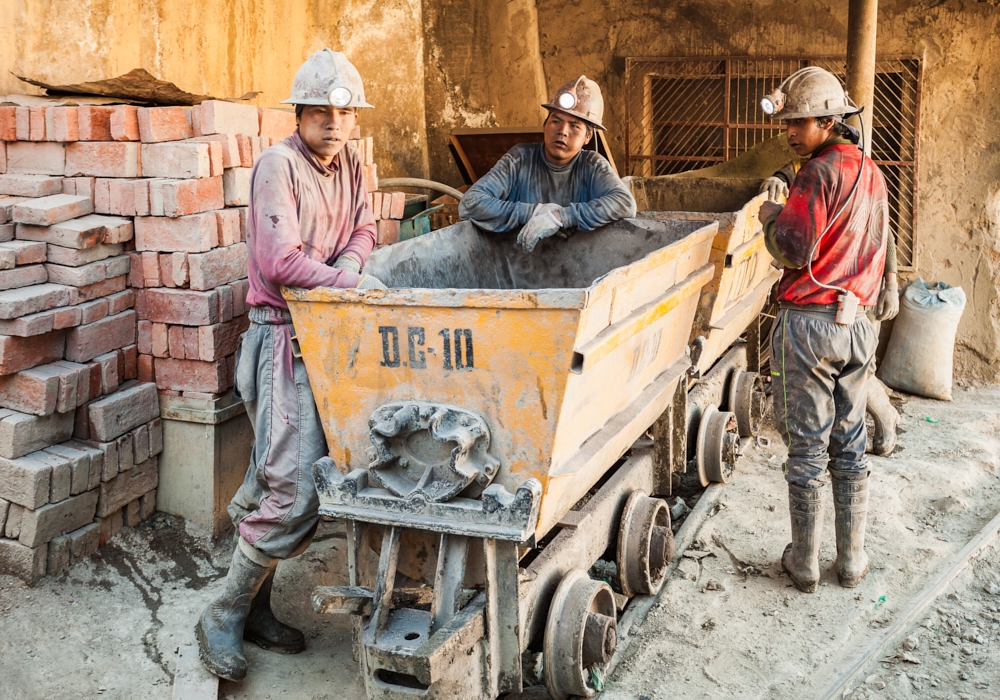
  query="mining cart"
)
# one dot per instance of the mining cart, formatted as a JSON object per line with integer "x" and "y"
{"x": 498, "y": 421}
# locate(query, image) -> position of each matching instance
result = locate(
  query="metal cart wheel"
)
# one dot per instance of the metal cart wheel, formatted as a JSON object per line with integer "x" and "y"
{"x": 718, "y": 446}
{"x": 746, "y": 401}
{"x": 645, "y": 544}
{"x": 581, "y": 634}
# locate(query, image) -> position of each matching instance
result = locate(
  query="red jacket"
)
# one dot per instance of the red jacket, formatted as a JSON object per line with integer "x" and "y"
{"x": 852, "y": 253}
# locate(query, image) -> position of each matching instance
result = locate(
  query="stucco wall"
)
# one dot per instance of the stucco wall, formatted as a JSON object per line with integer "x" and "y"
{"x": 226, "y": 48}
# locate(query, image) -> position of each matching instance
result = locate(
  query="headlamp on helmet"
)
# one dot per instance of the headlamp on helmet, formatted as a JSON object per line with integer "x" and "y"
{"x": 567, "y": 100}
{"x": 773, "y": 102}
{"x": 340, "y": 97}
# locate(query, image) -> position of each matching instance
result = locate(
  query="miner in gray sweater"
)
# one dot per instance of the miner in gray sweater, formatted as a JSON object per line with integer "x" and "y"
{"x": 541, "y": 188}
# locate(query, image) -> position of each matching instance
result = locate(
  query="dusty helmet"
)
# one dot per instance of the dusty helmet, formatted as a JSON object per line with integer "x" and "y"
{"x": 810, "y": 92}
{"x": 582, "y": 98}
{"x": 327, "y": 78}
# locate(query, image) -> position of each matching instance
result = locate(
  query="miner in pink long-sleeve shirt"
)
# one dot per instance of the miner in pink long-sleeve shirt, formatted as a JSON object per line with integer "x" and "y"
{"x": 309, "y": 226}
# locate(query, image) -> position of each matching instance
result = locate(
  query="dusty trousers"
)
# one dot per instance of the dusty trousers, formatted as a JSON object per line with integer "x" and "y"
{"x": 820, "y": 372}
{"x": 276, "y": 508}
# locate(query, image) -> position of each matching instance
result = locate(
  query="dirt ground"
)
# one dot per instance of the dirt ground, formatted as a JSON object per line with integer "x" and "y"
{"x": 728, "y": 623}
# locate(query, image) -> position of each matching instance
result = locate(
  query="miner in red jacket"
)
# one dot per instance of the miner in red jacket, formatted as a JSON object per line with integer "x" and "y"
{"x": 830, "y": 238}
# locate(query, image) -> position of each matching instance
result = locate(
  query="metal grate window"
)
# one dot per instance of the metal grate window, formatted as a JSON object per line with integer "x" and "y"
{"x": 689, "y": 113}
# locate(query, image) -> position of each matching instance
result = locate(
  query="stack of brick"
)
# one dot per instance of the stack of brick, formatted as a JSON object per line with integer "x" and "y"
{"x": 387, "y": 206}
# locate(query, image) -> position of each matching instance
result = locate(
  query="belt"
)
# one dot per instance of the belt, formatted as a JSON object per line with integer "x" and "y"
{"x": 824, "y": 311}
{"x": 269, "y": 315}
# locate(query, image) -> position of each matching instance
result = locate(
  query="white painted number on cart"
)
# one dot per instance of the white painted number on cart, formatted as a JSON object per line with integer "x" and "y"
{"x": 456, "y": 348}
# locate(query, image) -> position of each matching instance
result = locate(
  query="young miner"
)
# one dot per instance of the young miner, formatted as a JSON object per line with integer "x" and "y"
{"x": 309, "y": 226}
{"x": 830, "y": 238}
{"x": 541, "y": 188}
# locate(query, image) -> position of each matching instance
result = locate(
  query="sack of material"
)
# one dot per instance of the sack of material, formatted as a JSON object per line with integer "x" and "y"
{"x": 920, "y": 354}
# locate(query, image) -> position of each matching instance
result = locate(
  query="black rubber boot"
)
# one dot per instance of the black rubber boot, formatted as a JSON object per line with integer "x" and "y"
{"x": 884, "y": 416}
{"x": 850, "y": 505}
{"x": 265, "y": 630}
{"x": 801, "y": 558}
{"x": 220, "y": 629}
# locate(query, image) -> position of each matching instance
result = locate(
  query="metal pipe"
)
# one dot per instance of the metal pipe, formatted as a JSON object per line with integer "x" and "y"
{"x": 420, "y": 182}
{"x": 862, "y": 25}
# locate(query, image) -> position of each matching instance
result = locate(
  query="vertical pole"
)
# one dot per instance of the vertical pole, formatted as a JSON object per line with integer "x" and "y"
{"x": 862, "y": 24}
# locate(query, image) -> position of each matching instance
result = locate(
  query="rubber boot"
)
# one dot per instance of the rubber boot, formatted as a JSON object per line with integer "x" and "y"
{"x": 885, "y": 417}
{"x": 850, "y": 505}
{"x": 265, "y": 630}
{"x": 220, "y": 629}
{"x": 801, "y": 558}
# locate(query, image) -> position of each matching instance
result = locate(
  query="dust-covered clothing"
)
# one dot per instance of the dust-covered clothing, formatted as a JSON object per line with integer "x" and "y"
{"x": 820, "y": 370}
{"x": 276, "y": 508}
{"x": 588, "y": 191}
{"x": 303, "y": 215}
{"x": 852, "y": 253}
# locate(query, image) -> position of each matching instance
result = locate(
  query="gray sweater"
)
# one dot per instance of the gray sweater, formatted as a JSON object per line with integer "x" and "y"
{"x": 587, "y": 189}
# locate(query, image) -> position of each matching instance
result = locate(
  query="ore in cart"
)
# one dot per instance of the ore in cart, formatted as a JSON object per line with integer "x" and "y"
{"x": 483, "y": 403}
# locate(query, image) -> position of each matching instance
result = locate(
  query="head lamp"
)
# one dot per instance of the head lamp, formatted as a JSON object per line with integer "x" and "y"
{"x": 567, "y": 100}
{"x": 773, "y": 103}
{"x": 340, "y": 97}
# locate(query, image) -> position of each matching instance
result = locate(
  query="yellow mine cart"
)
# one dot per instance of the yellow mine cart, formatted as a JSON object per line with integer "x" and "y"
{"x": 483, "y": 403}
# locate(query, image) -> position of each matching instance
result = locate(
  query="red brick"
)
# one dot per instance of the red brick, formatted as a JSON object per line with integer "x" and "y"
{"x": 125, "y": 123}
{"x": 229, "y": 148}
{"x": 26, "y": 158}
{"x": 191, "y": 338}
{"x": 229, "y": 226}
{"x": 121, "y": 301}
{"x": 53, "y": 209}
{"x": 26, "y": 186}
{"x": 158, "y": 124}
{"x": 22, "y": 277}
{"x": 215, "y": 159}
{"x": 110, "y": 376}
{"x": 388, "y": 231}
{"x": 125, "y": 488}
{"x": 371, "y": 177}
{"x": 92, "y": 311}
{"x": 376, "y": 204}
{"x": 84, "y": 343}
{"x": 176, "y": 198}
{"x": 6, "y": 232}
{"x": 67, "y": 317}
{"x": 144, "y": 337}
{"x": 196, "y": 233}
{"x": 33, "y": 391}
{"x": 398, "y": 205}
{"x": 150, "y": 269}
{"x": 122, "y": 197}
{"x": 36, "y": 123}
{"x": 130, "y": 357}
{"x": 95, "y": 122}
{"x": 144, "y": 368}
{"x": 80, "y": 186}
{"x": 175, "y": 342}
{"x": 191, "y": 375}
{"x": 141, "y": 197}
{"x": 112, "y": 285}
{"x": 225, "y": 303}
{"x": 221, "y": 339}
{"x": 102, "y": 159}
{"x": 83, "y": 232}
{"x": 90, "y": 274}
{"x": 3, "y": 157}
{"x": 179, "y": 269}
{"x": 32, "y": 324}
{"x": 23, "y": 353}
{"x": 8, "y": 124}
{"x": 246, "y": 150}
{"x": 236, "y": 185}
{"x": 240, "y": 290}
{"x": 26, "y": 252}
{"x": 159, "y": 340}
{"x": 219, "y": 117}
{"x": 184, "y": 159}
{"x": 15, "y": 303}
{"x": 178, "y": 306}
{"x": 135, "y": 272}
{"x": 217, "y": 267}
{"x": 22, "y": 122}
{"x": 65, "y": 124}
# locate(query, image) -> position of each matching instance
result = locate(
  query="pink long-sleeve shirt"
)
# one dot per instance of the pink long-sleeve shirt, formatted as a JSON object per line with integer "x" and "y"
{"x": 303, "y": 215}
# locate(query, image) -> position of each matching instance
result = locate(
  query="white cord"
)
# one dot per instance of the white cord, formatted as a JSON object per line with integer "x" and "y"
{"x": 812, "y": 251}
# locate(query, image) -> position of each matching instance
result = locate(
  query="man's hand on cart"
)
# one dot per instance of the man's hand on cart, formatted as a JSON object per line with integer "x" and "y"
{"x": 369, "y": 282}
{"x": 346, "y": 262}
{"x": 544, "y": 222}
{"x": 775, "y": 187}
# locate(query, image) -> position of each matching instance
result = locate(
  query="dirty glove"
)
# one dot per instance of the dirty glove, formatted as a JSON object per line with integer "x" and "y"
{"x": 887, "y": 305}
{"x": 544, "y": 222}
{"x": 346, "y": 262}
{"x": 776, "y": 188}
{"x": 369, "y": 282}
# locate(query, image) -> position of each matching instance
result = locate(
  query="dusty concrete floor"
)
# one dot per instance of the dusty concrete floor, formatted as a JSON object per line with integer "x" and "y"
{"x": 109, "y": 627}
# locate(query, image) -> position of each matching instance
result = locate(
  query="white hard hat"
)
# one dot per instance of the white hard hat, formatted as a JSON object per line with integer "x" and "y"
{"x": 810, "y": 92}
{"x": 327, "y": 78}
{"x": 582, "y": 98}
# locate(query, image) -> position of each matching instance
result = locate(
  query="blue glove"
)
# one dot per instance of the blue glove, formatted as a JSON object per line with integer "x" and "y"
{"x": 544, "y": 223}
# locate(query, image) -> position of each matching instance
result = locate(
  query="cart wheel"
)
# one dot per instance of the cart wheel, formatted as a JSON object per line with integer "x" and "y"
{"x": 645, "y": 544}
{"x": 581, "y": 634}
{"x": 718, "y": 446}
{"x": 746, "y": 400}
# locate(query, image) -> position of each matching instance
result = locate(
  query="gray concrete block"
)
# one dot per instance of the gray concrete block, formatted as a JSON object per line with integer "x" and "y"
{"x": 58, "y": 555}
{"x": 13, "y": 527}
{"x": 25, "y": 481}
{"x": 24, "y": 562}
{"x": 42, "y": 525}
{"x": 21, "y": 433}
{"x": 128, "y": 408}
{"x": 85, "y": 541}
{"x": 127, "y": 486}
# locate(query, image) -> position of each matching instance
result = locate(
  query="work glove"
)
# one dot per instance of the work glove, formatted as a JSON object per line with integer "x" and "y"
{"x": 887, "y": 305}
{"x": 346, "y": 262}
{"x": 369, "y": 282}
{"x": 544, "y": 222}
{"x": 776, "y": 188}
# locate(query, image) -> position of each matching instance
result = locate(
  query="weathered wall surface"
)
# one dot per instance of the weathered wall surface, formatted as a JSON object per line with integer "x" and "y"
{"x": 226, "y": 48}
{"x": 958, "y": 235}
